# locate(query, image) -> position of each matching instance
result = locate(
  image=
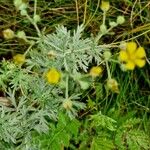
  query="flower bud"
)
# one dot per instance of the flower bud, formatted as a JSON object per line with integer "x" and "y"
{"x": 123, "y": 67}
{"x": 17, "y": 3}
{"x": 21, "y": 35}
{"x": 113, "y": 24}
{"x": 103, "y": 29}
{"x": 8, "y": 34}
{"x": 105, "y": 6}
{"x": 107, "y": 55}
{"x": 112, "y": 84}
{"x": 96, "y": 71}
{"x": 51, "y": 54}
{"x": 120, "y": 19}
{"x": 67, "y": 104}
{"x": 23, "y": 12}
{"x": 20, "y": 4}
{"x": 36, "y": 18}
{"x": 23, "y": 6}
{"x": 84, "y": 85}
{"x": 123, "y": 46}
{"x": 19, "y": 59}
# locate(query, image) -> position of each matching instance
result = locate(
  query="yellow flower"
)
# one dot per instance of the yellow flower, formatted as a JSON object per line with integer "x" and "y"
{"x": 8, "y": 34}
{"x": 132, "y": 56}
{"x": 105, "y": 6}
{"x": 96, "y": 71}
{"x": 19, "y": 59}
{"x": 112, "y": 84}
{"x": 53, "y": 76}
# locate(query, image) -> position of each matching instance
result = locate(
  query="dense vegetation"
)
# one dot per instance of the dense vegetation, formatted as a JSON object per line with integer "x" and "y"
{"x": 74, "y": 75}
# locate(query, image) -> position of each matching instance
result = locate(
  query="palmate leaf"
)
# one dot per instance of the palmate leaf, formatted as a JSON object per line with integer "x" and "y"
{"x": 61, "y": 141}
{"x": 138, "y": 140}
{"x": 58, "y": 136}
{"x": 134, "y": 140}
{"x": 65, "y": 129}
{"x": 128, "y": 136}
{"x": 71, "y": 50}
{"x": 100, "y": 120}
{"x": 102, "y": 143}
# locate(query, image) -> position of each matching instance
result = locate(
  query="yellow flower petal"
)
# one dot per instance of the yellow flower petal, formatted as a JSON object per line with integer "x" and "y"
{"x": 19, "y": 59}
{"x": 96, "y": 71}
{"x": 53, "y": 76}
{"x": 131, "y": 47}
{"x": 140, "y": 62}
{"x": 140, "y": 52}
{"x": 130, "y": 65}
{"x": 133, "y": 56}
{"x": 123, "y": 56}
{"x": 105, "y": 6}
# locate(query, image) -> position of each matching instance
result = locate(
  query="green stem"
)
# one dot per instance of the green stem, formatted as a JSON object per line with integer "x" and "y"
{"x": 90, "y": 18}
{"x": 99, "y": 33}
{"x": 32, "y": 38}
{"x": 108, "y": 70}
{"x": 28, "y": 49}
{"x": 67, "y": 79}
{"x": 66, "y": 93}
{"x": 35, "y": 6}
{"x": 34, "y": 24}
{"x": 104, "y": 17}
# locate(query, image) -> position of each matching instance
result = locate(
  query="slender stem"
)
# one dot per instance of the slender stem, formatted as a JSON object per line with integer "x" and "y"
{"x": 35, "y": 6}
{"x": 65, "y": 64}
{"x": 67, "y": 79}
{"x": 77, "y": 11}
{"x": 108, "y": 70}
{"x": 132, "y": 38}
{"x": 28, "y": 49}
{"x": 37, "y": 29}
{"x": 34, "y": 24}
{"x": 148, "y": 61}
{"x": 66, "y": 92}
{"x": 109, "y": 29}
{"x": 90, "y": 18}
{"x": 104, "y": 17}
{"x": 98, "y": 37}
{"x": 85, "y": 11}
{"x": 101, "y": 34}
{"x": 32, "y": 38}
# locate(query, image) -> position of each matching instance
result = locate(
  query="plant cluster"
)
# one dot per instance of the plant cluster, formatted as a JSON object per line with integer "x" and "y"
{"x": 44, "y": 103}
